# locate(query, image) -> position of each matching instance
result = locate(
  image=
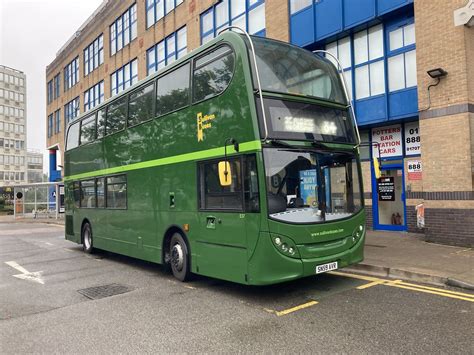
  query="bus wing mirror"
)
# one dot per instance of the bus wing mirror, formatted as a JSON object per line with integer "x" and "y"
{"x": 377, "y": 171}
{"x": 225, "y": 173}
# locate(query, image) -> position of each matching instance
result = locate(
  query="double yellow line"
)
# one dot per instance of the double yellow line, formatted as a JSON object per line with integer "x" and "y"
{"x": 373, "y": 281}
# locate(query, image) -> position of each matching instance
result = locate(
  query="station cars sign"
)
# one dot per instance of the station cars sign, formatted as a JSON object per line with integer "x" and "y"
{"x": 389, "y": 139}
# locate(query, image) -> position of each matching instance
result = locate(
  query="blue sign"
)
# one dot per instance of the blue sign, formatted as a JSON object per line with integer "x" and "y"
{"x": 308, "y": 186}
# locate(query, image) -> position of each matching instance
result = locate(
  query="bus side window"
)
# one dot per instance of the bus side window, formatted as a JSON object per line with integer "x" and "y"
{"x": 76, "y": 193}
{"x": 212, "y": 73}
{"x": 72, "y": 140}
{"x": 116, "y": 116}
{"x": 100, "y": 191}
{"x": 173, "y": 90}
{"x": 88, "y": 130}
{"x": 88, "y": 194}
{"x": 214, "y": 196}
{"x": 252, "y": 197}
{"x": 101, "y": 122}
{"x": 117, "y": 192}
{"x": 140, "y": 107}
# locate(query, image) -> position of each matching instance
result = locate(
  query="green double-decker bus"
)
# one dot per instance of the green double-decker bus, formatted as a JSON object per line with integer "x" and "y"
{"x": 239, "y": 161}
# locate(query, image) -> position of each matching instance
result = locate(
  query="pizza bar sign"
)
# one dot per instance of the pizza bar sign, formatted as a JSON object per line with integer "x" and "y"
{"x": 389, "y": 139}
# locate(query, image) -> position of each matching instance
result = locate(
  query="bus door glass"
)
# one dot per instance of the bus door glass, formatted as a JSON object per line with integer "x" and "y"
{"x": 222, "y": 239}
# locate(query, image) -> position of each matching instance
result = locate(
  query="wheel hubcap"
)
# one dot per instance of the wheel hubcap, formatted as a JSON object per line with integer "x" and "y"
{"x": 177, "y": 257}
{"x": 87, "y": 239}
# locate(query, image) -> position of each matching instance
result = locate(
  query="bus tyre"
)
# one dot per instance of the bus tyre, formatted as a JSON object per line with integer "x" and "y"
{"x": 87, "y": 238}
{"x": 179, "y": 257}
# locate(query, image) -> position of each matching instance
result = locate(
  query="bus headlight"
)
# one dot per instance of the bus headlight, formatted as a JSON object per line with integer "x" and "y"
{"x": 285, "y": 246}
{"x": 358, "y": 233}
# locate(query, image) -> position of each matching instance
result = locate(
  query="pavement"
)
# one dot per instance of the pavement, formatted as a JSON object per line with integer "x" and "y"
{"x": 394, "y": 255}
{"x": 406, "y": 256}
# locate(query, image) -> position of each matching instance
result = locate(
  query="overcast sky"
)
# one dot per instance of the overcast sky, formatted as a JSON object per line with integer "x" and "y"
{"x": 31, "y": 32}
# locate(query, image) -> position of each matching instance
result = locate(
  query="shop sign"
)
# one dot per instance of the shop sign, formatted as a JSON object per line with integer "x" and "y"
{"x": 414, "y": 169}
{"x": 412, "y": 138}
{"x": 386, "y": 188}
{"x": 389, "y": 139}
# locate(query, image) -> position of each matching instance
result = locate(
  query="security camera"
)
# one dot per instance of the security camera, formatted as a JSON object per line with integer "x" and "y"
{"x": 465, "y": 15}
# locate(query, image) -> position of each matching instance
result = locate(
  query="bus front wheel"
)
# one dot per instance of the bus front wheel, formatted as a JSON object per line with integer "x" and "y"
{"x": 87, "y": 238}
{"x": 179, "y": 257}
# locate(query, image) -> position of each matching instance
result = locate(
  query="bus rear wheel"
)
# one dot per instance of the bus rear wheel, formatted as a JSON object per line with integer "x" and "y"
{"x": 87, "y": 238}
{"x": 179, "y": 258}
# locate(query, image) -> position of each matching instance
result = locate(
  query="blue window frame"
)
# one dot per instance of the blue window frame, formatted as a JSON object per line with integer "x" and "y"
{"x": 157, "y": 9}
{"x": 94, "y": 55}
{"x": 57, "y": 85}
{"x": 94, "y": 96}
{"x": 246, "y": 14}
{"x": 71, "y": 110}
{"x": 167, "y": 51}
{"x": 50, "y": 125}
{"x": 123, "y": 30}
{"x": 71, "y": 74}
{"x": 124, "y": 77}
{"x": 57, "y": 121}
{"x": 401, "y": 52}
{"x": 50, "y": 91}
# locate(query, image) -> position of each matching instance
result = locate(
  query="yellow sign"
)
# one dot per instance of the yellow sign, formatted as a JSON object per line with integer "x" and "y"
{"x": 203, "y": 122}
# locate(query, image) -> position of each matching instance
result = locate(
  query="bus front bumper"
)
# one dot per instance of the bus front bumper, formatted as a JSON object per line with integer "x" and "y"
{"x": 268, "y": 266}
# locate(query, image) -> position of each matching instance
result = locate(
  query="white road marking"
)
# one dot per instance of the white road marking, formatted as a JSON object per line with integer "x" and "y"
{"x": 48, "y": 243}
{"x": 25, "y": 274}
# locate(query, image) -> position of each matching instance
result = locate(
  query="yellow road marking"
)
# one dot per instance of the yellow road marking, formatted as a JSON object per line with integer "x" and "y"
{"x": 440, "y": 293}
{"x": 354, "y": 276}
{"x": 379, "y": 282}
{"x": 294, "y": 309}
{"x": 407, "y": 286}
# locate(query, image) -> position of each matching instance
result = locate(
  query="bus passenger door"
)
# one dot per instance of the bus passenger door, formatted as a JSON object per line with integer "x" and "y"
{"x": 221, "y": 246}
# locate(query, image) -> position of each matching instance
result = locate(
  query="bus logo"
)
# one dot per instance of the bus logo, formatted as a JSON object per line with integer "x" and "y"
{"x": 203, "y": 122}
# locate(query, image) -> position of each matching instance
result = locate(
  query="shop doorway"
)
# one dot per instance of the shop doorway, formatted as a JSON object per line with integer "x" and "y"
{"x": 388, "y": 199}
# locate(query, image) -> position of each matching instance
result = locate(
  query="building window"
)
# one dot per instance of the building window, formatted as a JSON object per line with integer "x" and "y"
{"x": 402, "y": 57}
{"x": 298, "y": 5}
{"x": 369, "y": 63}
{"x": 50, "y": 125}
{"x": 71, "y": 110}
{"x": 94, "y": 96}
{"x": 50, "y": 91}
{"x": 246, "y": 14}
{"x": 57, "y": 121}
{"x": 124, "y": 77}
{"x": 94, "y": 55}
{"x": 71, "y": 74}
{"x": 167, "y": 51}
{"x": 57, "y": 85}
{"x": 156, "y": 9}
{"x": 341, "y": 49}
{"x": 123, "y": 30}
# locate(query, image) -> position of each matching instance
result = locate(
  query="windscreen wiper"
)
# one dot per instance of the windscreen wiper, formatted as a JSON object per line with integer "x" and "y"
{"x": 279, "y": 143}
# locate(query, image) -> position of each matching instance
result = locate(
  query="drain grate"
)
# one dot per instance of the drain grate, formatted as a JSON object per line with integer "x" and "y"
{"x": 98, "y": 292}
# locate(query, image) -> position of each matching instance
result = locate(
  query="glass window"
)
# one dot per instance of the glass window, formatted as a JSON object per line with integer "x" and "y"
{"x": 290, "y": 69}
{"x": 375, "y": 42}
{"x": 410, "y": 68}
{"x": 212, "y": 73}
{"x": 222, "y": 13}
{"x": 207, "y": 21}
{"x": 117, "y": 192}
{"x": 213, "y": 196}
{"x": 396, "y": 72}
{"x": 173, "y": 90}
{"x": 116, "y": 116}
{"x": 100, "y": 187}
{"x": 140, "y": 106}
{"x": 297, "y": 5}
{"x": 88, "y": 194}
{"x": 72, "y": 140}
{"x": 237, "y": 8}
{"x": 88, "y": 130}
{"x": 101, "y": 114}
{"x": 251, "y": 192}
{"x": 257, "y": 19}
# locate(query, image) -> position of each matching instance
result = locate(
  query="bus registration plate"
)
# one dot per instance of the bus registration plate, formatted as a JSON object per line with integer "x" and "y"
{"x": 326, "y": 267}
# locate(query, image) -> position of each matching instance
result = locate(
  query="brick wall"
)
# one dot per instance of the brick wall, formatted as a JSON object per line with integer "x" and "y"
{"x": 450, "y": 226}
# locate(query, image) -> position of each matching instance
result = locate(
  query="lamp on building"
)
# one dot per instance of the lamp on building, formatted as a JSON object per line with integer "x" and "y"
{"x": 437, "y": 73}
